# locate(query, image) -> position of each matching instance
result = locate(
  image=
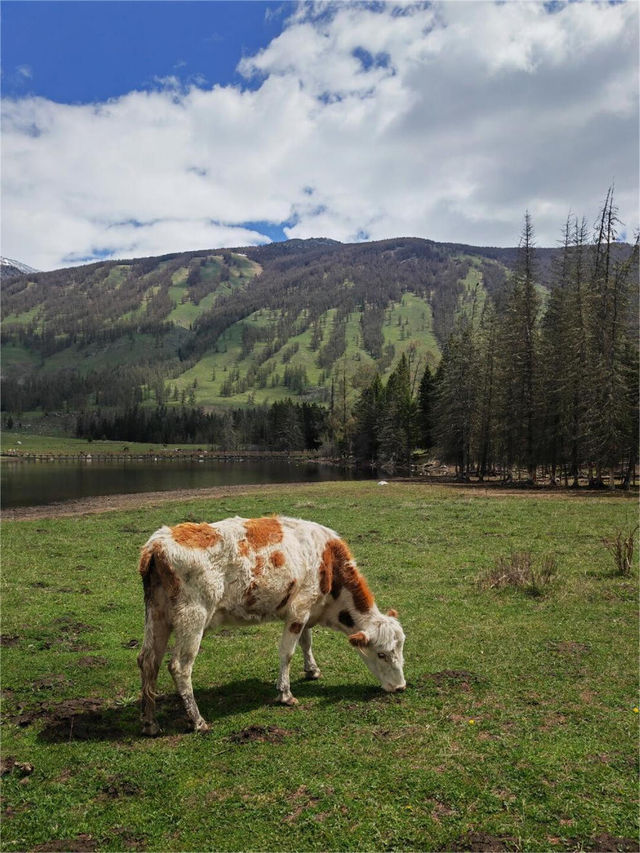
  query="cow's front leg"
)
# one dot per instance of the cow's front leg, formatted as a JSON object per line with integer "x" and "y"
{"x": 290, "y": 637}
{"x": 311, "y": 670}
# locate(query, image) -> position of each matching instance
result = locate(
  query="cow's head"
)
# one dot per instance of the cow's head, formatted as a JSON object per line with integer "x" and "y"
{"x": 381, "y": 648}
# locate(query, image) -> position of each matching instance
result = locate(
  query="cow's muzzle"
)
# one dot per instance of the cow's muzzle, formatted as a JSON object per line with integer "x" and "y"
{"x": 393, "y": 689}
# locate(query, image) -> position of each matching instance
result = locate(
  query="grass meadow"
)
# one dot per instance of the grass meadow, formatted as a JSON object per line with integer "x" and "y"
{"x": 517, "y": 731}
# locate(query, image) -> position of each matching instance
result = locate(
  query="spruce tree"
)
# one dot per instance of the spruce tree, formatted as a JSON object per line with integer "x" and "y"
{"x": 425, "y": 409}
{"x": 611, "y": 333}
{"x": 367, "y": 415}
{"x": 455, "y": 398}
{"x": 486, "y": 354}
{"x": 399, "y": 424}
{"x": 519, "y": 360}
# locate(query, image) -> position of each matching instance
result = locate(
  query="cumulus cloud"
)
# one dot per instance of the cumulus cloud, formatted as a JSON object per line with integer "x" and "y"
{"x": 357, "y": 122}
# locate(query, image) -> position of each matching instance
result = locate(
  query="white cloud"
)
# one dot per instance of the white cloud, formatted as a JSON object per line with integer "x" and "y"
{"x": 444, "y": 121}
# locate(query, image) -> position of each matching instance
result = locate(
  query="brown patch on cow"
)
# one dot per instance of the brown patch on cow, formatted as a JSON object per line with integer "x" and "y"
{"x": 156, "y": 571}
{"x": 287, "y": 595}
{"x": 296, "y": 627}
{"x": 263, "y": 734}
{"x": 277, "y": 559}
{"x": 344, "y": 573}
{"x": 262, "y": 532}
{"x": 193, "y": 535}
{"x": 359, "y": 639}
{"x": 326, "y": 570}
{"x": 145, "y": 560}
{"x": 243, "y": 548}
{"x": 258, "y": 566}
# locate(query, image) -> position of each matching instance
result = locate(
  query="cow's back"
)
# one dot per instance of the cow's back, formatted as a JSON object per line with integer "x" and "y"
{"x": 242, "y": 569}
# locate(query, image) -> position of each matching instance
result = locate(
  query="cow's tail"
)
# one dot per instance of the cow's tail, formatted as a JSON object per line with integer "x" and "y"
{"x": 160, "y": 587}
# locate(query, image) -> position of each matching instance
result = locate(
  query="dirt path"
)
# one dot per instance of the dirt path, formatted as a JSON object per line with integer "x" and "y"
{"x": 105, "y": 503}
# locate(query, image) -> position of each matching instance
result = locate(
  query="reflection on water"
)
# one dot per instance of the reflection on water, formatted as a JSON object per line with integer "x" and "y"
{"x": 32, "y": 483}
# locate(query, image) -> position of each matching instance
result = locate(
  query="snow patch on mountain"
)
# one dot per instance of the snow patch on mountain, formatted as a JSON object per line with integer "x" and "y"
{"x": 18, "y": 265}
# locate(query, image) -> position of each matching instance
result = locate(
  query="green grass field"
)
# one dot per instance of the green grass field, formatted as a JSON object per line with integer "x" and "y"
{"x": 44, "y": 444}
{"x": 518, "y": 729}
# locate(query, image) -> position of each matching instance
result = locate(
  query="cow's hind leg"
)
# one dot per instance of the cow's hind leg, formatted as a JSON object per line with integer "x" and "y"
{"x": 288, "y": 643}
{"x": 311, "y": 670}
{"x": 156, "y": 636}
{"x": 188, "y": 634}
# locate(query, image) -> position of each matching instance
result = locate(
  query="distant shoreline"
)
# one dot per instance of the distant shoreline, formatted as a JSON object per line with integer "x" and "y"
{"x": 136, "y": 500}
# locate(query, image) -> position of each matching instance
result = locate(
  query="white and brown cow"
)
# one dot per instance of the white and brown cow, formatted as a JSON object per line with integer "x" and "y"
{"x": 197, "y": 576}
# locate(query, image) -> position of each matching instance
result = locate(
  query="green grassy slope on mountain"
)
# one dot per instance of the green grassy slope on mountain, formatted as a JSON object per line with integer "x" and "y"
{"x": 218, "y": 327}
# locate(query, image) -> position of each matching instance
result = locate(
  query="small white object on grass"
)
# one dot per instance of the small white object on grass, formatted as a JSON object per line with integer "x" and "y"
{"x": 383, "y": 483}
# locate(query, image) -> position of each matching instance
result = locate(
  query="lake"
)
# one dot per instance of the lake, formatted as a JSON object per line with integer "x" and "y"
{"x": 27, "y": 483}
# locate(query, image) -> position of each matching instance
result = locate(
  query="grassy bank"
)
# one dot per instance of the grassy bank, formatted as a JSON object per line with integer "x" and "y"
{"x": 517, "y": 730}
{"x": 26, "y": 442}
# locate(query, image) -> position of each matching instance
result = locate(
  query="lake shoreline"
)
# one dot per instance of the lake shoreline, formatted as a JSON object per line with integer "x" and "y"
{"x": 136, "y": 500}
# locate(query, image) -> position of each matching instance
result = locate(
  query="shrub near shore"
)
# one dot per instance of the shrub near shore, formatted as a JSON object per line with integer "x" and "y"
{"x": 517, "y": 729}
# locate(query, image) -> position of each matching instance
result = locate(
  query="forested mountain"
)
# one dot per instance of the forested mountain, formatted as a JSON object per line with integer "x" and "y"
{"x": 236, "y": 326}
{"x": 490, "y": 356}
{"x": 239, "y": 326}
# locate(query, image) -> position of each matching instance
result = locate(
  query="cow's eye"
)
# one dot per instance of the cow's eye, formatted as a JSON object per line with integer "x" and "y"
{"x": 382, "y": 655}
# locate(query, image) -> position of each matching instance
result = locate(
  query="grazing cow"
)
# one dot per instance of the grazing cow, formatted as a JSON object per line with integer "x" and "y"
{"x": 197, "y": 576}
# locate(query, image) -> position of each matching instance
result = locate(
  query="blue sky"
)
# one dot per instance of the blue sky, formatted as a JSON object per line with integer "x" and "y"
{"x": 138, "y": 128}
{"x": 89, "y": 51}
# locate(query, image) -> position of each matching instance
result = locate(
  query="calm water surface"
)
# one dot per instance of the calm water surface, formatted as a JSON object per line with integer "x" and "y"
{"x": 34, "y": 483}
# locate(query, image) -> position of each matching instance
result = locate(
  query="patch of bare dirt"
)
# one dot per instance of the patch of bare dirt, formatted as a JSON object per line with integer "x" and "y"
{"x": 50, "y": 682}
{"x": 131, "y": 644}
{"x": 570, "y": 648}
{"x": 485, "y": 843}
{"x": 607, "y": 843}
{"x": 128, "y": 840}
{"x": 9, "y": 639}
{"x": 262, "y": 734}
{"x": 80, "y": 844}
{"x": 90, "y": 661}
{"x": 72, "y": 719}
{"x": 462, "y": 679}
{"x": 301, "y": 800}
{"x": 117, "y": 786}
{"x": 10, "y": 765}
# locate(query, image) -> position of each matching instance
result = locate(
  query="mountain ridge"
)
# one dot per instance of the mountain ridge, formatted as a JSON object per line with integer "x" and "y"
{"x": 243, "y": 325}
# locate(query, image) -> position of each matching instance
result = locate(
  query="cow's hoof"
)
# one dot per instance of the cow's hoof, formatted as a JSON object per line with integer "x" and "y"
{"x": 202, "y": 727}
{"x": 312, "y": 674}
{"x": 151, "y": 730}
{"x": 290, "y": 701}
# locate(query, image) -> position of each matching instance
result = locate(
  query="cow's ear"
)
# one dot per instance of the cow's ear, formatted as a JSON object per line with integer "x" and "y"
{"x": 393, "y": 613}
{"x": 360, "y": 640}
